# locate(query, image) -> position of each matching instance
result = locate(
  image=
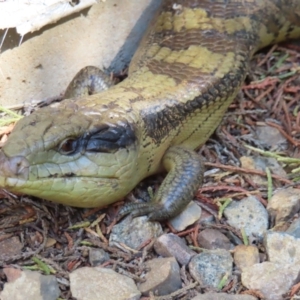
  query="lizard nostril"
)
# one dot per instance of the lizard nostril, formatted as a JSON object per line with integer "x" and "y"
{"x": 13, "y": 167}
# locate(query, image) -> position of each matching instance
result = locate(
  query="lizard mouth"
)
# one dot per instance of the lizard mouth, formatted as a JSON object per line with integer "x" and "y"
{"x": 18, "y": 168}
{"x": 69, "y": 189}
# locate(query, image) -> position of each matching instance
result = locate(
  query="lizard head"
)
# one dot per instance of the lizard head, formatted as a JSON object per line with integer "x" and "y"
{"x": 71, "y": 156}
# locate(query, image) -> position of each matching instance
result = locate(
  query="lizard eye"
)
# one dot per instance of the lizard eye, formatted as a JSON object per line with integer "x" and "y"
{"x": 68, "y": 146}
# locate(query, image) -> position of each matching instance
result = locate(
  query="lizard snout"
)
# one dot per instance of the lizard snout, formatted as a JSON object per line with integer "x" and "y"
{"x": 13, "y": 167}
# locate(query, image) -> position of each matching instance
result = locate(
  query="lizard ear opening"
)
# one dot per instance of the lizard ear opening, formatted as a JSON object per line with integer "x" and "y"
{"x": 104, "y": 139}
{"x": 109, "y": 139}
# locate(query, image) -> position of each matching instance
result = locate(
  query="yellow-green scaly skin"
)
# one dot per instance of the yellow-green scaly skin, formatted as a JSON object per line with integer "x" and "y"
{"x": 187, "y": 70}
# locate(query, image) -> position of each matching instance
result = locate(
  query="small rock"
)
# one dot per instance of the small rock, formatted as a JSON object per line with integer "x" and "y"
{"x": 12, "y": 274}
{"x": 223, "y": 296}
{"x": 284, "y": 204}
{"x": 213, "y": 239}
{"x": 247, "y": 162}
{"x": 272, "y": 280}
{"x": 235, "y": 240}
{"x": 134, "y": 232}
{"x": 245, "y": 256}
{"x": 294, "y": 229}
{"x": 248, "y": 214}
{"x": 97, "y": 256}
{"x": 271, "y": 137}
{"x": 100, "y": 283}
{"x": 11, "y": 246}
{"x": 187, "y": 217}
{"x": 261, "y": 163}
{"x": 171, "y": 245}
{"x": 30, "y": 285}
{"x": 206, "y": 217}
{"x": 209, "y": 267}
{"x": 163, "y": 278}
{"x": 282, "y": 248}
{"x": 50, "y": 242}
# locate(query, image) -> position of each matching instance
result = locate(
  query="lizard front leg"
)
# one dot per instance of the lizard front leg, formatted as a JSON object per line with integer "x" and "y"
{"x": 88, "y": 81}
{"x": 185, "y": 174}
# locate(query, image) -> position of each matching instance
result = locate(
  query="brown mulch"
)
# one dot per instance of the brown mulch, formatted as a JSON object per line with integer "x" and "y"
{"x": 46, "y": 231}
